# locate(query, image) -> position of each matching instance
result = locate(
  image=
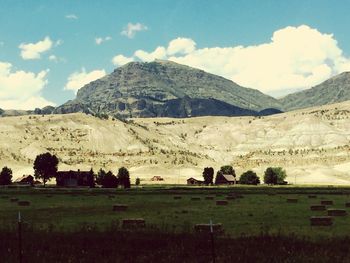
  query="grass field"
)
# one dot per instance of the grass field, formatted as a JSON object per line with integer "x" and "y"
{"x": 261, "y": 214}
{"x": 255, "y": 213}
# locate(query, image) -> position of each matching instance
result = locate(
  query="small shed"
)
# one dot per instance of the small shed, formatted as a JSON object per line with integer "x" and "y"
{"x": 194, "y": 181}
{"x": 157, "y": 178}
{"x": 225, "y": 179}
{"x": 25, "y": 180}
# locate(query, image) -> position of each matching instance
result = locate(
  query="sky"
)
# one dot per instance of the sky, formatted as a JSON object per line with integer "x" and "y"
{"x": 49, "y": 49}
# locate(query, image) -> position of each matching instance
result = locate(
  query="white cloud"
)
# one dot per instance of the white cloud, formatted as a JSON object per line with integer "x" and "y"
{"x": 72, "y": 16}
{"x": 181, "y": 45}
{"x": 131, "y": 29}
{"x": 58, "y": 42}
{"x": 2, "y": 43}
{"x": 22, "y": 90}
{"x": 34, "y": 50}
{"x": 120, "y": 60}
{"x": 79, "y": 79}
{"x": 295, "y": 58}
{"x": 100, "y": 40}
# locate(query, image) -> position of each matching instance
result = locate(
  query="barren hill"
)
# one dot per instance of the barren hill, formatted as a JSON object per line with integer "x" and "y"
{"x": 312, "y": 144}
{"x": 333, "y": 90}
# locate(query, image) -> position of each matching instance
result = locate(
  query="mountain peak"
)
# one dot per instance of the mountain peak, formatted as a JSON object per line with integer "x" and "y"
{"x": 144, "y": 89}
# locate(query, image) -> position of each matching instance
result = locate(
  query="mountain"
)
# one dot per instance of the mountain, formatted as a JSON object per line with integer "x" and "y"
{"x": 158, "y": 89}
{"x": 333, "y": 90}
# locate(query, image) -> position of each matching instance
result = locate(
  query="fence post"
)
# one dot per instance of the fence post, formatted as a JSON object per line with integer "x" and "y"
{"x": 19, "y": 238}
{"x": 212, "y": 241}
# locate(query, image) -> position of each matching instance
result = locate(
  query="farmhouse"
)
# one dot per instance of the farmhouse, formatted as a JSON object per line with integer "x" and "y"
{"x": 194, "y": 181}
{"x": 25, "y": 180}
{"x": 225, "y": 179}
{"x": 74, "y": 178}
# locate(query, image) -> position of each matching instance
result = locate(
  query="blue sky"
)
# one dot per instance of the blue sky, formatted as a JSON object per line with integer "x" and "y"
{"x": 229, "y": 38}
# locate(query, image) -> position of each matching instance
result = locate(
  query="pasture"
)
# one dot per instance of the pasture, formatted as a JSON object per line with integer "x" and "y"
{"x": 251, "y": 215}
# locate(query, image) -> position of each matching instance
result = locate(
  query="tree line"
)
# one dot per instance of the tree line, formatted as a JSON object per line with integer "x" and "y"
{"x": 272, "y": 176}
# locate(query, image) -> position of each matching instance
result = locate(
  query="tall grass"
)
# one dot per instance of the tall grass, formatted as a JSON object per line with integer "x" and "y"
{"x": 114, "y": 245}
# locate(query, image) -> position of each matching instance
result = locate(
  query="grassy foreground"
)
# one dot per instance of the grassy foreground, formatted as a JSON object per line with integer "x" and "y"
{"x": 260, "y": 227}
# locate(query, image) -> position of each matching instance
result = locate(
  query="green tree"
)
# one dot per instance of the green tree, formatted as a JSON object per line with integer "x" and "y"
{"x": 91, "y": 178}
{"x": 275, "y": 175}
{"x": 249, "y": 177}
{"x": 208, "y": 175}
{"x": 45, "y": 166}
{"x": 100, "y": 175}
{"x": 109, "y": 180}
{"x": 124, "y": 177}
{"x": 5, "y": 176}
{"x": 137, "y": 181}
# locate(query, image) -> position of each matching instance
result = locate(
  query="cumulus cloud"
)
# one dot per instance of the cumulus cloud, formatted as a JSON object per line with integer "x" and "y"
{"x": 120, "y": 60}
{"x": 295, "y": 58}
{"x": 79, "y": 79}
{"x": 100, "y": 40}
{"x": 22, "y": 90}
{"x": 181, "y": 46}
{"x": 72, "y": 16}
{"x": 34, "y": 50}
{"x": 131, "y": 29}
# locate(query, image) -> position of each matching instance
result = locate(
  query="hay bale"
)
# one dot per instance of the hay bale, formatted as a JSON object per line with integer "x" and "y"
{"x": 347, "y": 204}
{"x": 326, "y": 202}
{"x": 120, "y": 207}
{"x": 195, "y": 198}
{"x": 221, "y": 202}
{"x": 312, "y": 196}
{"x": 205, "y": 228}
{"x": 23, "y": 203}
{"x": 321, "y": 221}
{"x": 14, "y": 200}
{"x": 292, "y": 200}
{"x": 209, "y": 198}
{"x": 177, "y": 197}
{"x": 131, "y": 223}
{"x": 336, "y": 212}
{"x": 317, "y": 207}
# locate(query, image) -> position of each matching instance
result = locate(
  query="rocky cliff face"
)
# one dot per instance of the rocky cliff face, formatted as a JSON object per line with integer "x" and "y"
{"x": 333, "y": 90}
{"x": 162, "y": 88}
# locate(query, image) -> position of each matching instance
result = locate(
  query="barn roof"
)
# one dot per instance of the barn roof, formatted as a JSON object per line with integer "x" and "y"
{"x": 229, "y": 177}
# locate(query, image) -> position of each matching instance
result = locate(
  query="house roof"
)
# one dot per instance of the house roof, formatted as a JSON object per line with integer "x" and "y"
{"x": 229, "y": 177}
{"x": 195, "y": 179}
{"x": 18, "y": 180}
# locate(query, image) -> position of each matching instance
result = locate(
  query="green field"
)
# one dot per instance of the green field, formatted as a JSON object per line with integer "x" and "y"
{"x": 255, "y": 213}
{"x": 79, "y": 225}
